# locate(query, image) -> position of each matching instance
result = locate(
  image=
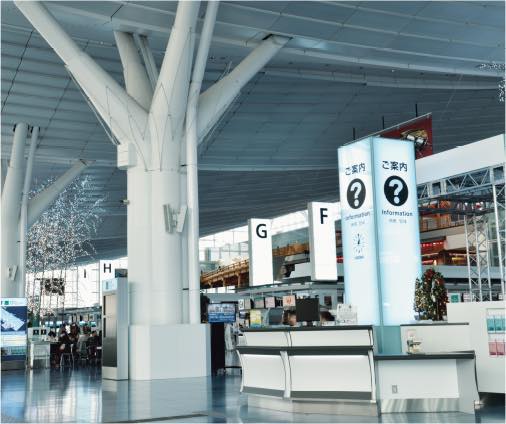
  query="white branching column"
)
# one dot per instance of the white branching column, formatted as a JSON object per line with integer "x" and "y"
{"x": 149, "y": 124}
{"x": 15, "y": 221}
{"x": 11, "y": 207}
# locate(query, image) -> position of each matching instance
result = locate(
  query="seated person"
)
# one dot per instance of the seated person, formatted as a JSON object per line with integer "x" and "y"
{"x": 92, "y": 343}
{"x": 51, "y": 337}
{"x": 290, "y": 318}
{"x": 65, "y": 345}
{"x": 326, "y": 316}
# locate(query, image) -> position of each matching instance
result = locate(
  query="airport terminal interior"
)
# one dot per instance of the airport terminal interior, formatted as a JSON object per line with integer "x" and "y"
{"x": 253, "y": 211}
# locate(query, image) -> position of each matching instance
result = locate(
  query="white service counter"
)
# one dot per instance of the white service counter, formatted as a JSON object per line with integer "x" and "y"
{"x": 335, "y": 370}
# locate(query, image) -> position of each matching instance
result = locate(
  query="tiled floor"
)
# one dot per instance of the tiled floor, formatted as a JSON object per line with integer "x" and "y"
{"x": 52, "y": 396}
{"x": 81, "y": 396}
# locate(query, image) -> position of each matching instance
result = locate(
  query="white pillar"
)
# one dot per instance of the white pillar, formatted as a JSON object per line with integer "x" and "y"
{"x": 192, "y": 164}
{"x": 23, "y": 221}
{"x": 11, "y": 206}
{"x": 166, "y": 129}
{"x": 150, "y": 151}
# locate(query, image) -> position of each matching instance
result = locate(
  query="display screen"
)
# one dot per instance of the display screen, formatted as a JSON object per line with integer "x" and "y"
{"x": 221, "y": 312}
{"x": 13, "y": 328}
{"x": 275, "y": 316}
{"x": 307, "y": 310}
{"x": 270, "y": 302}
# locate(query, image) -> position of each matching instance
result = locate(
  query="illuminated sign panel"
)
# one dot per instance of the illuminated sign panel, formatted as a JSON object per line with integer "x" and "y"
{"x": 397, "y": 226}
{"x": 260, "y": 252}
{"x": 381, "y": 240}
{"x": 358, "y": 232}
{"x": 322, "y": 241}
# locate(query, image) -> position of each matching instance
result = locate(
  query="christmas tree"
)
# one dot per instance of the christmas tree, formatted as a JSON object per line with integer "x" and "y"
{"x": 431, "y": 296}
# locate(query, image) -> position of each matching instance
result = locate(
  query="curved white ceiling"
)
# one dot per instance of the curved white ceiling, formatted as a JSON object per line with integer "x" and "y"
{"x": 349, "y": 67}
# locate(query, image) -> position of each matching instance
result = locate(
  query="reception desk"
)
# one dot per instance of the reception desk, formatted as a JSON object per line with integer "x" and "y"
{"x": 336, "y": 370}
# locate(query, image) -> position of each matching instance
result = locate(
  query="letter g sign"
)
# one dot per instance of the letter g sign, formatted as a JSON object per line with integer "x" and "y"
{"x": 261, "y": 231}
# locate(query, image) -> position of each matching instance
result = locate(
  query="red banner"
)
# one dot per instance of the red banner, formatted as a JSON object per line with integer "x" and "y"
{"x": 418, "y": 130}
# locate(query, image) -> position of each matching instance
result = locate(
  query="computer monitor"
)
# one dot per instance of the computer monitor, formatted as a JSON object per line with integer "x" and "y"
{"x": 275, "y": 316}
{"x": 221, "y": 312}
{"x": 307, "y": 310}
{"x": 270, "y": 302}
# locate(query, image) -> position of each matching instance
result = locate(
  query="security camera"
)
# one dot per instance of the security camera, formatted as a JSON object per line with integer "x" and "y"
{"x": 125, "y": 202}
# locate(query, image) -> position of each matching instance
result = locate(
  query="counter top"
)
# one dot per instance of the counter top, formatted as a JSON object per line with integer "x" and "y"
{"x": 305, "y": 350}
{"x": 426, "y": 324}
{"x": 414, "y": 356}
{"x": 315, "y": 328}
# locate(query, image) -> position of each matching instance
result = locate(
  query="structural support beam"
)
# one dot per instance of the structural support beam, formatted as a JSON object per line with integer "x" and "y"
{"x": 11, "y": 206}
{"x": 170, "y": 97}
{"x": 23, "y": 221}
{"x": 44, "y": 199}
{"x": 147, "y": 57}
{"x": 192, "y": 165}
{"x": 126, "y": 117}
{"x": 136, "y": 78}
{"x": 216, "y": 99}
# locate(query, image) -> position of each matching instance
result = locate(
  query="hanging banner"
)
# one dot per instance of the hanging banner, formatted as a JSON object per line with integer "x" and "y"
{"x": 380, "y": 230}
{"x": 397, "y": 225}
{"x": 417, "y": 130}
{"x": 322, "y": 241}
{"x": 358, "y": 230}
{"x": 260, "y": 252}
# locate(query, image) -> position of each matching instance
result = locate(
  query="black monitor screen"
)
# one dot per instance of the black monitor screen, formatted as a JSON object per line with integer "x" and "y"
{"x": 275, "y": 316}
{"x": 307, "y": 310}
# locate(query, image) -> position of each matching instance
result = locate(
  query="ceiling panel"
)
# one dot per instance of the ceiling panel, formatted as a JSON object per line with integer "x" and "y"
{"x": 349, "y": 67}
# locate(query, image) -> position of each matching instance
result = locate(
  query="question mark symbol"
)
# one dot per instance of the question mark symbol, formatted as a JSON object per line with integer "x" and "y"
{"x": 356, "y": 188}
{"x": 398, "y": 187}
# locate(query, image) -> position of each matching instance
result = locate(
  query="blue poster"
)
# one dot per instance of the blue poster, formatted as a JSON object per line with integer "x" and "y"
{"x": 221, "y": 312}
{"x": 13, "y": 323}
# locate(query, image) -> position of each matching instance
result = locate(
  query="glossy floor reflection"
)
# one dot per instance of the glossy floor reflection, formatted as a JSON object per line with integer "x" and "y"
{"x": 218, "y": 400}
{"x": 81, "y": 396}
{"x": 45, "y": 395}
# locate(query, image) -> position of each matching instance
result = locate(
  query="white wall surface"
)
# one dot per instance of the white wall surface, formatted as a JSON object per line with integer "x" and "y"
{"x": 331, "y": 338}
{"x": 344, "y": 373}
{"x": 266, "y": 338}
{"x": 418, "y": 379}
{"x": 490, "y": 369}
{"x": 175, "y": 351}
{"x": 438, "y": 337}
{"x": 264, "y": 371}
{"x": 470, "y": 157}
